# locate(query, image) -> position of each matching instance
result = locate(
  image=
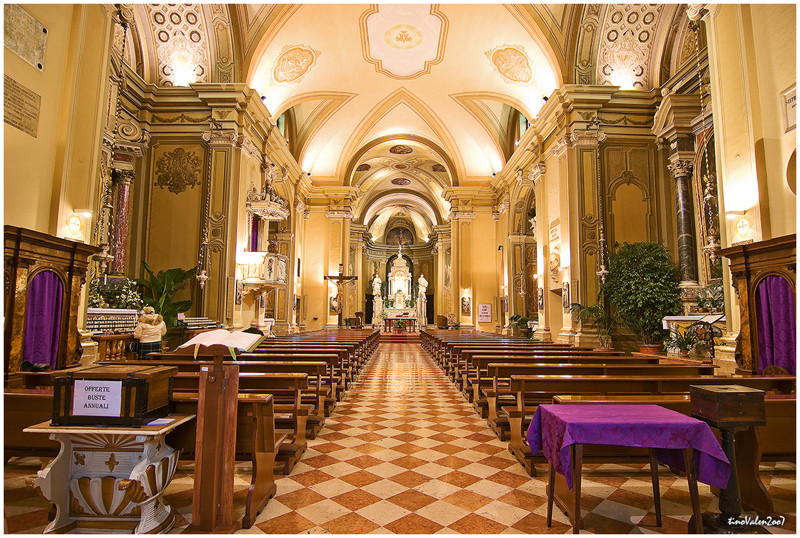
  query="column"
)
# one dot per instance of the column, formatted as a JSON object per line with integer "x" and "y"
{"x": 681, "y": 170}
{"x": 123, "y": 180}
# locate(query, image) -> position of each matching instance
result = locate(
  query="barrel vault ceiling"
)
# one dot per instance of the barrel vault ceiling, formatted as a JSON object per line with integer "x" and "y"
{"x": 397, "y": 98}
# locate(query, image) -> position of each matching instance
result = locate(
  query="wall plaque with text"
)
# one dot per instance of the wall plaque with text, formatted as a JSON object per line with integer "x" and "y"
{"x": 21, "y": 106}
{"x": 24, "y": 35}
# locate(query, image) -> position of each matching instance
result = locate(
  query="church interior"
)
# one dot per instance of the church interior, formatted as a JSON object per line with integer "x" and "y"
{"x": 348, "y": 268}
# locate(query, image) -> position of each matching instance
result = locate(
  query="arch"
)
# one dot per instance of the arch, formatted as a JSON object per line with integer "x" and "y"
{"x": 364, "y": 215}
{"x": 44, "y": 318}
{"x": 396, "y": 98}
{"x": 775, "y": 322}
{"x": 451, "y": 167}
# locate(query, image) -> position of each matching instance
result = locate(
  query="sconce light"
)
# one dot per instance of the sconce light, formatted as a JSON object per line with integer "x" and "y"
{"x": 74, "y": 224}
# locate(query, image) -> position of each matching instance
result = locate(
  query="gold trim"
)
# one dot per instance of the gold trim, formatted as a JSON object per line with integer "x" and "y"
{"x": 362, "y": 25}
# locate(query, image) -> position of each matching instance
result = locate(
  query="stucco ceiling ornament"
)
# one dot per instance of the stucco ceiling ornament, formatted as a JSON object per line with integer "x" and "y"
{"x": 178, "y": 170}
{"x": 293, "y": 63}
{"x": 512, "y": 63}
{"x": 403, "y": 41}
{"x": 627, "y": 39}
{"x": 179, "y": 35}
{"x": 401, "y": 181}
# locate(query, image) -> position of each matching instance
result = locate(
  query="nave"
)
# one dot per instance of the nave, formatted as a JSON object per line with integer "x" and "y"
{"x": 403, "y": 452}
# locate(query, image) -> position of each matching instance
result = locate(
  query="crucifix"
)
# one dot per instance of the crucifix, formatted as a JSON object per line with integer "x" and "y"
{"x": 340, "y": 280}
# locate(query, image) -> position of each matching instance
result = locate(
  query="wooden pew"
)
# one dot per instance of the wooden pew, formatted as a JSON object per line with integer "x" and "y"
{"x": 256, "y": 441}
{"x": 24, "y": 408}
{"x": 775, "y": 441}
{"x": 501, "y": 373}
{"x": 287, "y": 391}
{"x": 532, "y": 390}
{"x": 476, "y": 364}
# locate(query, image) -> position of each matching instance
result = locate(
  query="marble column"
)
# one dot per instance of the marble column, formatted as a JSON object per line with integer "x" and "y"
{"x": 123, "y": 180}
{"x": 682, "y": 172}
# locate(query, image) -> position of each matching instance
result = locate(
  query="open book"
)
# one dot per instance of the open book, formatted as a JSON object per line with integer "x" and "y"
{"x": 242, "y": 341}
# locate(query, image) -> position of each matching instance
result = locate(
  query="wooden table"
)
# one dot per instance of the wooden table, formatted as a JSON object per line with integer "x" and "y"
{"x": 560, "y": 431}
{"x": 110, "y": 479}
{"x": 389, "y": 323}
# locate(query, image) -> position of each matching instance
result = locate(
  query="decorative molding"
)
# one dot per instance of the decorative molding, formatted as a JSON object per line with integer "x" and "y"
{"x": 178, "y": 29}
{"x": 293, "y": 63}
{"x": 681, "y": 168}
{"x": 511, "y": 62}
{"x": 339, "y": 214}
{"x": 537, "y": 172}
{"x": 181, "y": 118}
{"x": 560, "y": 145}
{"x": 626, "y": 42}
{"x": 178, "y": 170}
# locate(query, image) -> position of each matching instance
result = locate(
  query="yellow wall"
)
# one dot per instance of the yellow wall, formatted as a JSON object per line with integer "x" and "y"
{"x": 483, "y": 267}
{"x": 774, "y": 39}
{"x": 47, "y": 177}
{"x": 314, "y": 267}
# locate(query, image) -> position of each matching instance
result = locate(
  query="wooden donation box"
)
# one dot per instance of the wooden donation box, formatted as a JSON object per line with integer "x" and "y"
{"x": 111, "y": 395}
{"x": 724, "y": 406}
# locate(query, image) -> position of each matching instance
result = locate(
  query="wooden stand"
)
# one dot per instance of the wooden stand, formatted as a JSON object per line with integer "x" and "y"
{"x": 215, "y": 451}
{"x": 729, "y": 408}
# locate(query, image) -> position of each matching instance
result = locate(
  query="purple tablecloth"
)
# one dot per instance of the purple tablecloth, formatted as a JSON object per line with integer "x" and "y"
{"x": 555, "y": 427}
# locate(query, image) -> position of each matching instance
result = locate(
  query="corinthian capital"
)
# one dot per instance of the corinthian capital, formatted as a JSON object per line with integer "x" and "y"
{"x": 681, "y": 168}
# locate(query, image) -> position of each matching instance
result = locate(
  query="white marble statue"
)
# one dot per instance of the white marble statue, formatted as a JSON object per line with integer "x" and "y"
{"x": 376, "y": 286}
{"x": 422, "y": 300}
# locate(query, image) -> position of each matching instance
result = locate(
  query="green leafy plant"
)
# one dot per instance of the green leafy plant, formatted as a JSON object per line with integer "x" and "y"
{"x": 604, "y": 319}
{"x": 400, "y": 325}
{"x": 160, "y": 290}
{"x": 683, "y": 342}
{"x": 642, "y": 284}
{"x": 456, "y": 326}
{"x": 383, "y": 314}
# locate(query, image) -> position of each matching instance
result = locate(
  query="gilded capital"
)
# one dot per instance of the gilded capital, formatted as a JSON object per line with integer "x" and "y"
{"x": 681, "y": 168}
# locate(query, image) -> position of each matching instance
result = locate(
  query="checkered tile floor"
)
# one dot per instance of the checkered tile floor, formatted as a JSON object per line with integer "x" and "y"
{"x": 404, "y": 453}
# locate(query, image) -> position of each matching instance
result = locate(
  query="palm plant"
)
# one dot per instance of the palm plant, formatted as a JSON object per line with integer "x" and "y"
{"x": 160, "y": 290}
{"x": 603, "y": 319}
{"x": 683, "y": 342}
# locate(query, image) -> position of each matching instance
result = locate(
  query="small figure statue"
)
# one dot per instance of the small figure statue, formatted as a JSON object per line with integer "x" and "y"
{"x": 422, "y": 306}
{"x": 376, "y": 286}
{"x": 149, "y": 331}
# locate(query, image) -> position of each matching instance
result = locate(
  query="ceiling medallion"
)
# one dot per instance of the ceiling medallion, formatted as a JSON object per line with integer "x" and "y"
{"x": 400, "y": 149}
{"x": 400, "y": 166}
{"x": 438, "y": 168}
{"x": 293, "y": 63}
{"x": 363, "y": 167}
{"x": 401, "y": 181}
{"x": 511, "y": 62}
{"x": 403, "y": 41}
{"x": 403, "y": 36}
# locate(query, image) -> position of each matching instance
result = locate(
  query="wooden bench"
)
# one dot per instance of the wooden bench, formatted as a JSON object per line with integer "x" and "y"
{"x": 532, "y": 390}
{"x": 24, "y": 408}
{"x": 256, "y": 441}
{"x": 290, "y": 412}
{"x": 500, "y": 375}
{"x": 476, "y": 366}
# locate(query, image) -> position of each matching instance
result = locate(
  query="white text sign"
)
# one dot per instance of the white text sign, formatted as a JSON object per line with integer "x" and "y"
{"x": 97, "y": 398}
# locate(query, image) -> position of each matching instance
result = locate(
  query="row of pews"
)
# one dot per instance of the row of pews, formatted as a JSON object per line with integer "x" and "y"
{"x": 287, "y": 388}
{"x": 506, "y": 378}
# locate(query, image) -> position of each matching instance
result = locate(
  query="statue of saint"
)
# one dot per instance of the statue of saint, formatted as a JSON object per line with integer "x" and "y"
{"x": 422, "y": 307}
{"x": 376, "y": 286}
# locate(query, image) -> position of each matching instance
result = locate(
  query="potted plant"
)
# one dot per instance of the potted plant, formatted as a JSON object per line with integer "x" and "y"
{"x": 604, "y": 319}
{"x": 159, "y": 291}
{"x": 712, "y": 298}
{"x": 642, "y": 284}
{"x": 455, "y": 326}
{"x": 683, "y": 342}
{"x": 400, "y": 325}
{"x": 519, "y": 325}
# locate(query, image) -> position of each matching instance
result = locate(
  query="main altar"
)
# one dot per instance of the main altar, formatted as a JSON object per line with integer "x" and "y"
{"x": 400, "y": 305}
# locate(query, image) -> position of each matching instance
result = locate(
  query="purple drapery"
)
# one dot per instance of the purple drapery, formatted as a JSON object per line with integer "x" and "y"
{"x": 43, "y": 319}
{"x": 776, "y": 324}
{"x": 254, "y": 236}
